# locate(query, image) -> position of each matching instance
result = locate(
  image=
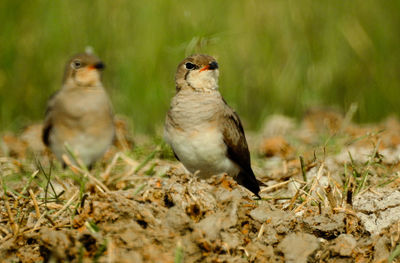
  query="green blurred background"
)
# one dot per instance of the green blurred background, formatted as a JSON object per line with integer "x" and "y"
{"x": 275, "y": 56}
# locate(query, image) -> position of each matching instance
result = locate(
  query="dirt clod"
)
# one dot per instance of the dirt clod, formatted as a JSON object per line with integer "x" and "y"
{"x": 381, "y": 251}
{"x": 327, "y": 227}
{"x": 344, "y": 245}
{"x": 297, "y": 247}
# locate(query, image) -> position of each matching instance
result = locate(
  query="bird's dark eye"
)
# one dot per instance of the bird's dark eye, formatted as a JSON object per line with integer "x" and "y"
{"x": 76, "y": 64}
{"x": 189, "y": 65}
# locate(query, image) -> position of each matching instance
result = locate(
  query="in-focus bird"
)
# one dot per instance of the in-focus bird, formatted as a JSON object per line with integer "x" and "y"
{"x": 206, "y": 134}
{"x": 80, "y": 113}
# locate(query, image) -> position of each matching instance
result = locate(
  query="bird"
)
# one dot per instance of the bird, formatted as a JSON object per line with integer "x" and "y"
{"x": 204, "y": 132}
{"x": 79, "y": 115}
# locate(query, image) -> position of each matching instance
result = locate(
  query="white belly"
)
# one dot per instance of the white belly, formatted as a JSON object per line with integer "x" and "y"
{"x": 87, "y": 148}
{"x": 203, "y": 151}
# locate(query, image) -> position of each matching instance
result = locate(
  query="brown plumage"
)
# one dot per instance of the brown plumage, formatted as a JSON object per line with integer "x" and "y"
{"x": 207, "y": 135}
{"x": 80, "y": 114}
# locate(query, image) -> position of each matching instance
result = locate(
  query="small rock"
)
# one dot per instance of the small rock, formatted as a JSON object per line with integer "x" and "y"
{"x": 263, "y": 214}
{"x": 260, "y": 213}
{"x": 326, "y": 227}
{"x": 232, "y": 240}
{"x": 378, "y": 210}
{"x": 258, "y": 252}
{"x": 177, "y": 219}
{"x": 297, "y": 247}
{"x": 381, "y": 249}
{"x": 344, "y": 245}
{"x": 276, "y": 146}
{"x": 211, "y": 225}
{"x": 278, "y": 125}
{"x": 270, "y": 236}
{"x": 129, "y": 256}
{"x": 61, "y": 244}
{"x": 224, "y": 195}
{"x": 32, "y": 136}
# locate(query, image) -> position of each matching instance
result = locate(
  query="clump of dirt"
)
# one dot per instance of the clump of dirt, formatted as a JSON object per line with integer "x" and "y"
{"x": 337, "y": 203}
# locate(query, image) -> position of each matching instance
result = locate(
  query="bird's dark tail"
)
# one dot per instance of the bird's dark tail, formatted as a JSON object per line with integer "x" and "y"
{"x": 248, "y": 180}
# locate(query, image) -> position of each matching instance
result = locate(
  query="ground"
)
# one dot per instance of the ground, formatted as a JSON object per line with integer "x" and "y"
{"x": 330, "y": 194}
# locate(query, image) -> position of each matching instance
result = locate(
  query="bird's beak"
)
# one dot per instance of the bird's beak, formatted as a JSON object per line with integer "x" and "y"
{"x": 211, "y": 66}
{"x": 99, "y": 65}
{"x": 205, "y": 68}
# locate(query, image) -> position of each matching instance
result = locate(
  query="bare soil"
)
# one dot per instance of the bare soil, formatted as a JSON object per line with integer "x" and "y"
{"x": 339, "y": 202}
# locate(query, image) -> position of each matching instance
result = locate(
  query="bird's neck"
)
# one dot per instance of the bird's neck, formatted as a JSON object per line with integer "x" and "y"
{"x": 71, "y": 84}
{"x": 193, "y": 109}
{"x": 206, "y": 88}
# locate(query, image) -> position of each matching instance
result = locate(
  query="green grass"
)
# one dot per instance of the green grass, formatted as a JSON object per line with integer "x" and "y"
{"x": 275, "y": 56}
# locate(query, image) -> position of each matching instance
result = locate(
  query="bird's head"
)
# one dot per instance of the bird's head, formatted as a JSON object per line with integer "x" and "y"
{"x": 199, "y": 72}
{"x": 83, "y": 70}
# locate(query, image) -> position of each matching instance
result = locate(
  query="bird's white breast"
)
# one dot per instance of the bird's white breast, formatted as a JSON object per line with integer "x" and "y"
{"x": 87, "y": 148}
{"x": 201, "y": 150}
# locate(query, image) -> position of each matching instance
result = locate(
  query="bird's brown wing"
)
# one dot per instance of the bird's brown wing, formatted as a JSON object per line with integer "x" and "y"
{"x": 237, "y": 148}
{"x": 47, "y": 124}
{"x": 235, "y": 139}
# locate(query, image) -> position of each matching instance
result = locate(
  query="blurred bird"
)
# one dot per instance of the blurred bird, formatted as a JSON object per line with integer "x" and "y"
{"x": 205, "y": 134}
{"x": 79, "y": 114}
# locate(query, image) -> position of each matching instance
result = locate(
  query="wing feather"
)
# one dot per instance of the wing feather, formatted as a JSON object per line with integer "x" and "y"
{"x": 47, "y": 125}
{"x": 237, "y": 148}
